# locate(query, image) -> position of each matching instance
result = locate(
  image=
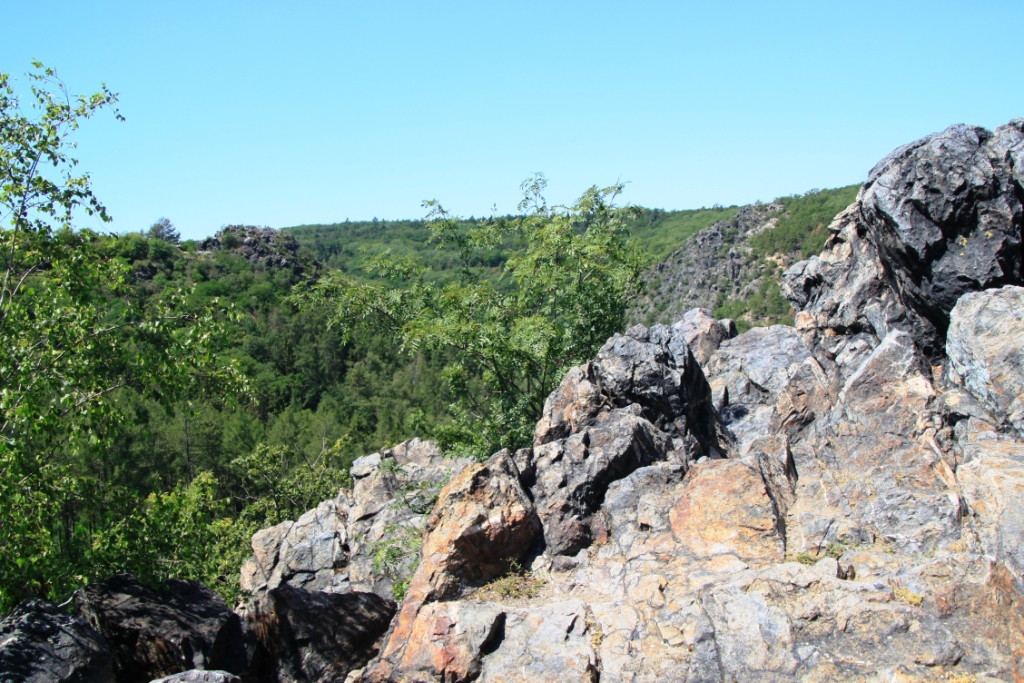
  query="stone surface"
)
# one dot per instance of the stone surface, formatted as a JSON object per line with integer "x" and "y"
{"x": 985, "y": 344}
{"x": 483, "y": 521}
{"x": 315, "y": 636}
{"x": 936, "y": 219}
{"x": 703, "y": 333}
{"x": 336, "y": 546}
{"x": 725, "y": 509}
{"x": 154, "y": 633}
{"x": 40, "y": 643}
{"x": 200, "y": 676}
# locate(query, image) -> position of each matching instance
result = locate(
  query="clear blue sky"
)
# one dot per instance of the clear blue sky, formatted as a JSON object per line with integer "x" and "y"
{"x": 286, "y": 113}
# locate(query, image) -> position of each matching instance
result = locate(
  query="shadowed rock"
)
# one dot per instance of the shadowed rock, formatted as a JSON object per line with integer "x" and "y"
{"x": 155, "y": 633}
{"x": 314, "y": 637}
{"x": 40, "y": 642}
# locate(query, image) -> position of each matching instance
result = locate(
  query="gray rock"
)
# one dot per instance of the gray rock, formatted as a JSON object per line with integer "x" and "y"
{"x": 335, "y": 547}
{"x": 946, "y": 219}
{"x": 154, "y": 633}
{"x": 985, "y": 345}
{"x": 40, "y": 643}
{"x": 937, "y": 218}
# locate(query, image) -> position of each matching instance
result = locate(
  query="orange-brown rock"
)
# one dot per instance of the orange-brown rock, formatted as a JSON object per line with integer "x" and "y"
{"x": 482, "y": 521}
{"x": 726, "y": 509}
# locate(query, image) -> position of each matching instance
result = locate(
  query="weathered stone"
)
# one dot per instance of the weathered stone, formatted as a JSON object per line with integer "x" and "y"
{"x": 703, "y": 333}
{"x": 574, "y": 473}
{"x": 937, "y": 218}
{"x": 334, "y": 547}
{"x": 748, "y": 373}
{"x": 986, "y": 350}
{"x": 993, "y": 484}
{"x": 946, "y": 218}
{"x": 483, "y": 520}
{"x": 314, "y": 636}
{"x": 726, "y": 509}
{"x": 199, "y": 676}
{"x": 40, "y": 643}
{"x": 154, "y": 633}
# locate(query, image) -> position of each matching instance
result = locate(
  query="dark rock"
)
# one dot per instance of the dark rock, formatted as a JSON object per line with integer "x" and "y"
{"x": 156, "y": 633}
{"x": 642, "y": 398}
{"x": 945, "y": 215}
{"x": 40, "y": 643}
{"x": 936, "y": 219}
{"x": 311, "y": 637}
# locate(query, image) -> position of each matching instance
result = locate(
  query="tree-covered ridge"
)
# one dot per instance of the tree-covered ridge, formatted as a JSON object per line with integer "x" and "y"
{"x": 345, "y": 246}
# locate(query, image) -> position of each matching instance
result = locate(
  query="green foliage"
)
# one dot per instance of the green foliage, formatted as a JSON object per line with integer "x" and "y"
{"x": 765, "y": 306}
{"x": 803, "y": 228}
{"x": 346, "y": 246}
{"x": 164, "y": 231}
{"x": 561, "y": 296}
{"x": 71, "y": 338}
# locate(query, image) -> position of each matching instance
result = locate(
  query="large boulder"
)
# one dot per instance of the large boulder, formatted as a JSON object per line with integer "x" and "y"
{"x": 644, "y": 399}
{"x": 314, "y": 637}
{"x": 41, "y": 643}
{"x": 155, "y": 633}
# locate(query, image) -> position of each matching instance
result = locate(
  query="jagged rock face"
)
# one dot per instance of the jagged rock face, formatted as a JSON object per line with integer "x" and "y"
{"x": 157, "y": 633}
{"x": 945, "y": 215}
{"x": 39, "y": 643}
{"x": 264, "y": 247}
{"x": 482, "y": 522}
{"x": 643, "y": 398}
{"x": 712, "y": 262}
{"x": 937, "y": 218}
{"x": 366, "y": 539}
{"x": 315, "y": 637}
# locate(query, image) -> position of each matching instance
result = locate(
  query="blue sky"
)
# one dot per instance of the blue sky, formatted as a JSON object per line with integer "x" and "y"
{"x": 286, "y": 113}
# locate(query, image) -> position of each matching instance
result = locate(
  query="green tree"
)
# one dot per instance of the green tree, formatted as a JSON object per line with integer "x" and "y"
{"x": 562, "y": 295}
{"x": 164, "y": 230}
{"x": 72, "y": 337}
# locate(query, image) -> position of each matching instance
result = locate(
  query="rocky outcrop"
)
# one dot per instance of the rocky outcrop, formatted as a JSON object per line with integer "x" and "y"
{"x": 262, "y": 247}
{"x": 39, "y": 642}
{"x": 156, "y": 633}
{"x": 835, "y": 501}
{"x": 711, "y": 264}
{"x": 315, "y": 637}
{"x": 482, "y": 523}
{"x": 642, "y": 400}
{"x": 366, "y": 539}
